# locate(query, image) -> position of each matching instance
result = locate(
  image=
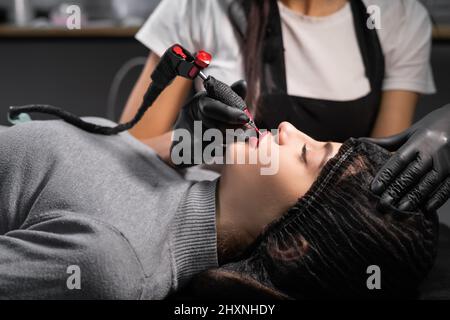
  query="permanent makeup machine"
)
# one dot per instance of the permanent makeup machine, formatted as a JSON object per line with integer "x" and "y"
{"x": 176, "y": 61}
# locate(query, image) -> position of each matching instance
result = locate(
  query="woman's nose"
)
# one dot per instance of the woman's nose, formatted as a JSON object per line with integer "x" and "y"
{"x": 290, "y": 134}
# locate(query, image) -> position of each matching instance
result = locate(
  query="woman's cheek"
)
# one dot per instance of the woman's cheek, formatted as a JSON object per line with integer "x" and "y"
{"x": 291, "y": 177}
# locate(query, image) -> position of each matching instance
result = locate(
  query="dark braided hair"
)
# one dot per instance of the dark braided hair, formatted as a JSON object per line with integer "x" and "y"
{"x": 323, "y": 246}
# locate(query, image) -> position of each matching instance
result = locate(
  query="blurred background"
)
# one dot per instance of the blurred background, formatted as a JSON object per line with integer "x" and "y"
{"x": 106, "y": 12}
{"x": 79, "y": 66}
{"x": 91, "y": 71}
{"x": 42, "y": 61}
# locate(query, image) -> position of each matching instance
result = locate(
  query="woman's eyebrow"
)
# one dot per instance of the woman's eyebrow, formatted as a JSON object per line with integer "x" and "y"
{"x": 304, "y": 154}
{"x": 328, "y": 150}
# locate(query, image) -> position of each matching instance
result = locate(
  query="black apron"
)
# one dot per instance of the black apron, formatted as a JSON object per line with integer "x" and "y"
{"x": 321, "y": 119}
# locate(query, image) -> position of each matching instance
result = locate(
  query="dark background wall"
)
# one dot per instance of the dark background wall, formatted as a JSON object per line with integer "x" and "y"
{"x": 440, "y": 61}
{"x": 77, "y": 73}
{"x": 74, "y": 73}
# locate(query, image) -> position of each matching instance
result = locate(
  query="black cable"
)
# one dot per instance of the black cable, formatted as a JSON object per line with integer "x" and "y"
{"x": 152, "y": 94}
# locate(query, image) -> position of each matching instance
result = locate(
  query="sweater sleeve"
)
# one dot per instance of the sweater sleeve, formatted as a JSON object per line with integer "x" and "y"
{"x": 194, "y": 237}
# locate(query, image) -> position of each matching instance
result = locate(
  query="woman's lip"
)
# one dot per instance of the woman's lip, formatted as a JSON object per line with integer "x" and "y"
{"x": 253, "y": 142}
{"x": 263, "y": 135}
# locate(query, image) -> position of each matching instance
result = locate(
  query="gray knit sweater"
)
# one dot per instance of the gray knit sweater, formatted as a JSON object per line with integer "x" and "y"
{"x": 94, "y": 217}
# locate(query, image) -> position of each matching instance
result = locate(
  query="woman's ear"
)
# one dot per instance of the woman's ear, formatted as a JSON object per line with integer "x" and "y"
{"x": 221, "y": 284}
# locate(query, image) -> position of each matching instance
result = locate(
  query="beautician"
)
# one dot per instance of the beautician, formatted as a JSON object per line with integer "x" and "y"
{"x": 319, "y": 65}
{"x": 322, "y": 65}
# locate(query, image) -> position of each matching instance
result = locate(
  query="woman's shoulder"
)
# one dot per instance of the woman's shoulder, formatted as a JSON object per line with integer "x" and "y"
{"x": 394, "y": 3}
{"x": 399, "y": 8}
{"x": 401, "y": 19}
{"x": 212, "y": 10}
{"x": 191, "y": 11}
{"x": 199, "y": 6}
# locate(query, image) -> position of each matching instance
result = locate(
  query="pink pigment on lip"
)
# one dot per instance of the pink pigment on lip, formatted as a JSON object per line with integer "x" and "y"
{"x": 262, "y": 135}
{"x": 253, "y": 141}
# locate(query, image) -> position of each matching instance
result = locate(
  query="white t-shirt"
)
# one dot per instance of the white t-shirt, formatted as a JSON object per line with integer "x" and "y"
{"x": 322, "y": 55}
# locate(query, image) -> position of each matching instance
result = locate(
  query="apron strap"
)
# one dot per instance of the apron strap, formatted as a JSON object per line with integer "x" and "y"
{"x": 238, "y": 11}
{"x": 274, "y": 66}
{"x": 369, "y": 44}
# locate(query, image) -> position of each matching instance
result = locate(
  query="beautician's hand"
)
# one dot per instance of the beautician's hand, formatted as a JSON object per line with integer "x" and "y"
{"x": 418, "y": 175}
{"x": 213, "y": 114}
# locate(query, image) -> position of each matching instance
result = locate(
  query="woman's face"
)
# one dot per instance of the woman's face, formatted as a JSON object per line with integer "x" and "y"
{"x": 299, "y": 161}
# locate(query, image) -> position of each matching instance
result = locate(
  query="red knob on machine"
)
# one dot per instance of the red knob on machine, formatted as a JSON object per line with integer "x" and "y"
{"x": 179, "y": 51}
{"x": 203, "y": 59}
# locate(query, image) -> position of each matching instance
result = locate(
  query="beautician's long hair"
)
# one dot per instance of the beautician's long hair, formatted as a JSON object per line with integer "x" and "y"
{"x": 258, "y": 17}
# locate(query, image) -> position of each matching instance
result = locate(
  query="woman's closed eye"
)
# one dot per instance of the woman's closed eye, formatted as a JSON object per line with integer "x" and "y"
{"x": 303, "y": 154}
{"x": 323, "y": 154}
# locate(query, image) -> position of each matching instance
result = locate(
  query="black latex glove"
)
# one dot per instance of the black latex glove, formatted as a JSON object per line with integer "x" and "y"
{"x": 418, "y": 174}
{"x": 213, "y": 114}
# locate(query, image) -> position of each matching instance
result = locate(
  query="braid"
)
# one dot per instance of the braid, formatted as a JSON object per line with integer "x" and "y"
{"x": 323, "y": 246}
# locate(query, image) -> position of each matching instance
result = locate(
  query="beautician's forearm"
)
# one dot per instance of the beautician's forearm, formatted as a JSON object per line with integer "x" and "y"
{"x": 396, "y": 113}
{"x": 160, "y": 118}
{"x": 161, "y": 145}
